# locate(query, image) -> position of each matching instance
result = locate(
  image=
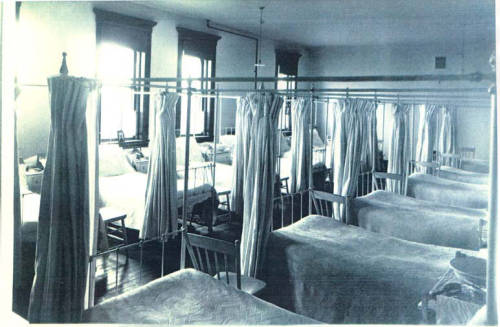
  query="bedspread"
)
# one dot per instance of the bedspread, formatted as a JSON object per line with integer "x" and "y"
{"x": 419, "y": 220}
{"x": 190, "y": 297}
{"x": 337, "y": 273}
{"x": 127, "y": 192}
{"x": 453, "y": 193}
{"x": 460, "y": 175}
{"x": 475, "y": 165}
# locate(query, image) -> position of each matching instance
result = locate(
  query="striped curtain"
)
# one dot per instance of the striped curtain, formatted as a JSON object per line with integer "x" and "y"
{"x": 160, "y": 216}
{"x": 62, "y": 245}
{"x": 240, "y": 162}
{"x": 258, "y": 187}
{"x": 398, "y": 145}
{"x": 426, "y": 134}
{"x": 300, "y": 145}
{"x": 447, "y": 140}
{"x": 350, "y": 127}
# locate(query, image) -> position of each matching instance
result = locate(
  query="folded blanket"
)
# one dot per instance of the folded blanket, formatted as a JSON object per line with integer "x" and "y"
{"x": 444, "y": 191}
{"x": 419, "y": 220}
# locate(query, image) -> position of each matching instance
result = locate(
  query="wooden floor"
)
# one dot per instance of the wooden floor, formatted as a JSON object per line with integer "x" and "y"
{"x": 113, "y": 279}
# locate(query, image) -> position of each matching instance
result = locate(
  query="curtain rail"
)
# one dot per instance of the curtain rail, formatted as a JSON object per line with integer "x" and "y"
{"x": 473, "y": 77}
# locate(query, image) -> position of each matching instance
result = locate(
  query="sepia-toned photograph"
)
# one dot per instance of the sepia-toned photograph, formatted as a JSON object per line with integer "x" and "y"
{"x": 249, "y": 162}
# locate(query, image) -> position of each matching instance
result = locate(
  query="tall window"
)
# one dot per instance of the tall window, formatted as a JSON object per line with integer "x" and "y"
{"x": 196, "y": 59}
{"x": 287, "y": 64}
{"x": 123, "y": 53}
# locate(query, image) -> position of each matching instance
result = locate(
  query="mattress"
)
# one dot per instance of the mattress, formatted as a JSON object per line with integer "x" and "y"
{"x": 475, "y": 165}
{"x": 338, "y": 273}
{"x": 447, "y": 192}
{"x": 29, "y": 213}
{"x": 465, "y": 176}
{"x": 419, "y": 220}
{"x": 127, "y": 192}
{"x": 190, "y": 297}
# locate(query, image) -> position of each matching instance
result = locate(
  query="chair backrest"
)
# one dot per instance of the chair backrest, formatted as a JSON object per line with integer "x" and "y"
{"x": 213, "y": 256}
{"x": 380, "y": 180}
{"x": 323, "y": 202}
{"x": 467, "y": 152}
{"x": 431, "y": 168}
{"x": 449, "y": 159}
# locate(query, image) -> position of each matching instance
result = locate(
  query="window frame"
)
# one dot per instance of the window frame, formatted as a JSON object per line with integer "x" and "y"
{"x": 135, "y": 33}
{"x": 203, "y": 46}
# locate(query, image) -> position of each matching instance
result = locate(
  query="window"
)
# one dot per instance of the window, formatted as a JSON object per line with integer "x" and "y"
{"x": 123, "y": 53}
{"x": 286, "y": 66}
{"x": 196, "y": 59}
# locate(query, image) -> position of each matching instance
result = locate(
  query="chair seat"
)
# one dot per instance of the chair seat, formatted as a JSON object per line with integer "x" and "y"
{"x": 249, "y": 285}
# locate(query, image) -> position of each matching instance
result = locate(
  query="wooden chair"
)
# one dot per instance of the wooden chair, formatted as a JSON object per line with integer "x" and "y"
{"x": 114, "y": 222}
{"x": 449, "y": 159}
{"x": 380, "y": 180}
{"x": 323, "y": 203}
{"x": 467, "y": 152}
{"x": 213, "y": 256}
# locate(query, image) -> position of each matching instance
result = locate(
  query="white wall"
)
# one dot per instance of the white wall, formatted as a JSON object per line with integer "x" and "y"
{"x": 49, "y": 28}
{"x": 469, "y": 57}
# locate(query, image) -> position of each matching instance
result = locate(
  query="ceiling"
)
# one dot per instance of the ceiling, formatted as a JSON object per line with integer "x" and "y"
{"x": 317, "y": 23}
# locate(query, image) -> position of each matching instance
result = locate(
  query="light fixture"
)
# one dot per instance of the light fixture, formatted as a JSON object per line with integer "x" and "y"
{"x": 259, "y": 61}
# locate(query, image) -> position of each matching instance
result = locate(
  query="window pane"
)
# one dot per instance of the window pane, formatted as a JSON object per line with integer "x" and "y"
{"x": 116, "y": 63}
{"x": 192, "y": 67}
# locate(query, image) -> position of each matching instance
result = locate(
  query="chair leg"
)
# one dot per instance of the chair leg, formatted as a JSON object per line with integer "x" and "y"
{"x": 125, "y": 238}
{"x": 228, "y": 205}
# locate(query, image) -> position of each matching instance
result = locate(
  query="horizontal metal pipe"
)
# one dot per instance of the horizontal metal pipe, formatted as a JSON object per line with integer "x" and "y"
{"x": 473, "y": 77}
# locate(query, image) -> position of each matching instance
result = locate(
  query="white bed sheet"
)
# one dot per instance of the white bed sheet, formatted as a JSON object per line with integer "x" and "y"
{"x": 444, "y": 191}
{"x": 464, "y": 176}
{"x": 419, "y": 220}
{"x": 127, "y": 192}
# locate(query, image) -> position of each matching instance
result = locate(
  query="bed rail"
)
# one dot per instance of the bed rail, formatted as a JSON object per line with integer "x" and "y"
{"x": 365, "y": 183}
{"x": 289, "y": 208}
{"x": 199, "y": 174}
{"x": 103, "y": 257}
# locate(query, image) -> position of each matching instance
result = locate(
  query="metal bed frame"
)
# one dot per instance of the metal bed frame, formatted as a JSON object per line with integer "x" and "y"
{"x": 309, "y": 196}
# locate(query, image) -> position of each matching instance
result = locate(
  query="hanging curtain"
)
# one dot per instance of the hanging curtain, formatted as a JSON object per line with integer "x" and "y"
{"x": 300, "y": 145}
{"x": 62, "y": 244}
{"x": 398, "y": 145}
{"x": 426, "y": 134}
{"x": 160, "y": 215}
{"x": 258, "y": 187}
{"x": 369, "y": 148}
{"x": 240, "y": 162}
{"x": 17, "y": 269}
{"x": 447, "y": 140}
{"x": 351, "y": 121}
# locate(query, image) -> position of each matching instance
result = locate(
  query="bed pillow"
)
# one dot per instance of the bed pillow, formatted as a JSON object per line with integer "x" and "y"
{"x": 317, "y": 141}
{"x": 113, "y": 161}
{"x": 228, "y": 139}
{"x": 285, "y": 144}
